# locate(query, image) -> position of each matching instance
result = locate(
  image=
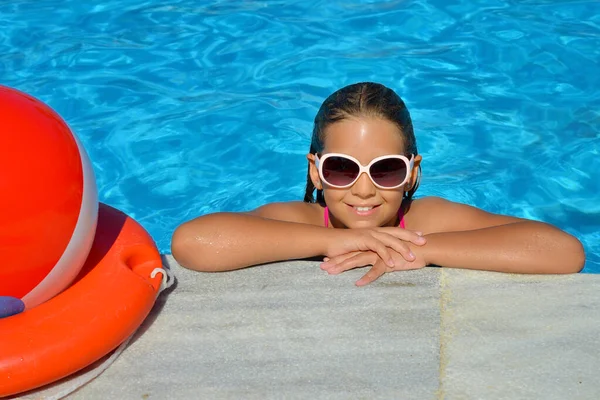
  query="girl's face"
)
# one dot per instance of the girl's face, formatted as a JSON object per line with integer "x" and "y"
{"x": 363, "y": 205}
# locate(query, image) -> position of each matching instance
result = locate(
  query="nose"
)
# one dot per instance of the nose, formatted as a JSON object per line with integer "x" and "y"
{"x": 363, "y": 187}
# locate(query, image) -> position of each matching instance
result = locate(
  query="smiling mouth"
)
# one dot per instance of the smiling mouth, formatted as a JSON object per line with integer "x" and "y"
{"x": 363, "y": 209}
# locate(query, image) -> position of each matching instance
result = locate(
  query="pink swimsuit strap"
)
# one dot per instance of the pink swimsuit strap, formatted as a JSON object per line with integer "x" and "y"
{"x": 326, "y": 218}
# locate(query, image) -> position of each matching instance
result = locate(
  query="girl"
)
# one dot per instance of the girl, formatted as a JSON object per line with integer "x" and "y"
{"x": 365, "y": 168}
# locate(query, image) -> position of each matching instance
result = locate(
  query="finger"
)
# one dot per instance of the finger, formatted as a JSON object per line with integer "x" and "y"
{"x": 414, "y": 237}
{"x": 374, "y": 273}
{"x": 396, "y": 244}
{"x": 379, "y": 247}
{"x": 331, "y": 261}
{"x": 359, "y": 260}
{"x": 334, "y": 262}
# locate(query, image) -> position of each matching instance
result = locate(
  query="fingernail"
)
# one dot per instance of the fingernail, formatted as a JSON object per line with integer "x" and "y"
{"x": 411, "y": 254}
{"x": 390, "y": 262}
{"x": 326, "y": 259}
{"x": 419, "y": 233}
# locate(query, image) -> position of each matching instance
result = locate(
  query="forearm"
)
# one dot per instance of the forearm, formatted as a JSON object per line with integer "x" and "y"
{"x": 521, "y": 247}
{"x": 228, "y": 241}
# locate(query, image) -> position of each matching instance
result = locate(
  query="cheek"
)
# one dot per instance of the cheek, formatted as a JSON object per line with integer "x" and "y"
{"x": 333, "y": 195}
{"x": 394, "y": 198}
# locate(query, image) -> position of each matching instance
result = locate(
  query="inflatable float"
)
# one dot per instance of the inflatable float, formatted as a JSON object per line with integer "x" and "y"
{"x": 77, "y": 277}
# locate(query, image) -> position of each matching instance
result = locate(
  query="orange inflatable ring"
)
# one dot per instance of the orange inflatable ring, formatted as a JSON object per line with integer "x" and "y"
{"x": 108, "y": 301}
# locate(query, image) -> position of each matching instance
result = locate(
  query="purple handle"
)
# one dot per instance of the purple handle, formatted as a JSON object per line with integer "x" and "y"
{"x": 10, "y": 306}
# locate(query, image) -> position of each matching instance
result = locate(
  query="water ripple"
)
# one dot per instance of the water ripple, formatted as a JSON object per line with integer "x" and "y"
{"x": 200, "y": 106}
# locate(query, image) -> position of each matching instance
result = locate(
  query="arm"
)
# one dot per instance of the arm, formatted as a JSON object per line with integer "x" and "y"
{"x": 227, "y": 241}
{"x": 275, "y": 232}
{"x": 461, "y": 236}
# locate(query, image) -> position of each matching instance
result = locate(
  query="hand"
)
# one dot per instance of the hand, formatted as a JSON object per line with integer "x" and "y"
{"x": 358, "y": 259}
{"x": 385, "y": 243}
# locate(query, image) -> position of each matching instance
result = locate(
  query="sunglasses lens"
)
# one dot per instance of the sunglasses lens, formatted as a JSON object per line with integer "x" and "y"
{"x": 340, "y": 171}
{"x": 389, "y": 172}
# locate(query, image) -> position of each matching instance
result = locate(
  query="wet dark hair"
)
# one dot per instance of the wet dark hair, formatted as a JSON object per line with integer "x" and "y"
{"x": 365, "y": 99}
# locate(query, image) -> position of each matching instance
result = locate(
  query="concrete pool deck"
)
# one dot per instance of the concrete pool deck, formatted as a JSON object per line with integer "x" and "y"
{"x": 289, "y": 330}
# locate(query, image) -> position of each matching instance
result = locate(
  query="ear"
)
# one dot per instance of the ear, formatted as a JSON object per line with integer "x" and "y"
{"x": 415, "y": 173}
{"x": 314, "y": 172}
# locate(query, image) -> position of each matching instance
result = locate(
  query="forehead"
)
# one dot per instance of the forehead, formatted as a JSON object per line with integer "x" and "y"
{"x": 364, "y": 138}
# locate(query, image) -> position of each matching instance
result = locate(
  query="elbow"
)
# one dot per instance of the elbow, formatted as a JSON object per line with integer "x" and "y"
{"x": 576, "y": 260}
{"x": 181, "y": 246}
{"x": 579, "y": 255}
{"x": 186, "y": 248}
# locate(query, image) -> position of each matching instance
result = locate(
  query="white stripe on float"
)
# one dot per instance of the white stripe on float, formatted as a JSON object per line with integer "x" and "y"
{"x": 76, "y": 252}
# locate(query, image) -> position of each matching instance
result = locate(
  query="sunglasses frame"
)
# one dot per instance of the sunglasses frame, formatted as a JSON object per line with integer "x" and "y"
{"x": 365, "y": 168}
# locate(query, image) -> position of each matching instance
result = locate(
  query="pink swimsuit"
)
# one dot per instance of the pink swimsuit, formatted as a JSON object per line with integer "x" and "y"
{"x": 326, "y": 218}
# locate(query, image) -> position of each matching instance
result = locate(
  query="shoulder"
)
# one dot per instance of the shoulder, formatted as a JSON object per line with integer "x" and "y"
{"x": 434, "y": 214}
{"x": 292, "y": 211}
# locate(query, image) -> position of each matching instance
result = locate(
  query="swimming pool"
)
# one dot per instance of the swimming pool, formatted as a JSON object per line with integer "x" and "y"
{"x": 203, "y": 106}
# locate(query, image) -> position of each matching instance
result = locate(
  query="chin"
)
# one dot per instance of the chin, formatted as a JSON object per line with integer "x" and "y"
{"x": 364, "y": 224}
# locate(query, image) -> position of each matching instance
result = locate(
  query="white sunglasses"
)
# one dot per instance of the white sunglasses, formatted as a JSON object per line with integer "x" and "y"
{"x": 386, "y": 172}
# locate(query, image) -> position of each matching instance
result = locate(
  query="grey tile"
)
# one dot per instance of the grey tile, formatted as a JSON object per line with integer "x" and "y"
{"x": 286, "y": 330}
{"x": 510, "y": 336}
{"x": 290, "y": 331}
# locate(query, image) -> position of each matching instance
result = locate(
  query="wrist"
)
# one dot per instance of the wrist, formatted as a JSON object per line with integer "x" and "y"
{"x": 328, "y": 240}
{"x": 422, "y": 252}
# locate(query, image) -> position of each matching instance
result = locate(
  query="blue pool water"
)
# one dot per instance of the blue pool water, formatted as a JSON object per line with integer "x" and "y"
{"x": 190, "y": 107}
